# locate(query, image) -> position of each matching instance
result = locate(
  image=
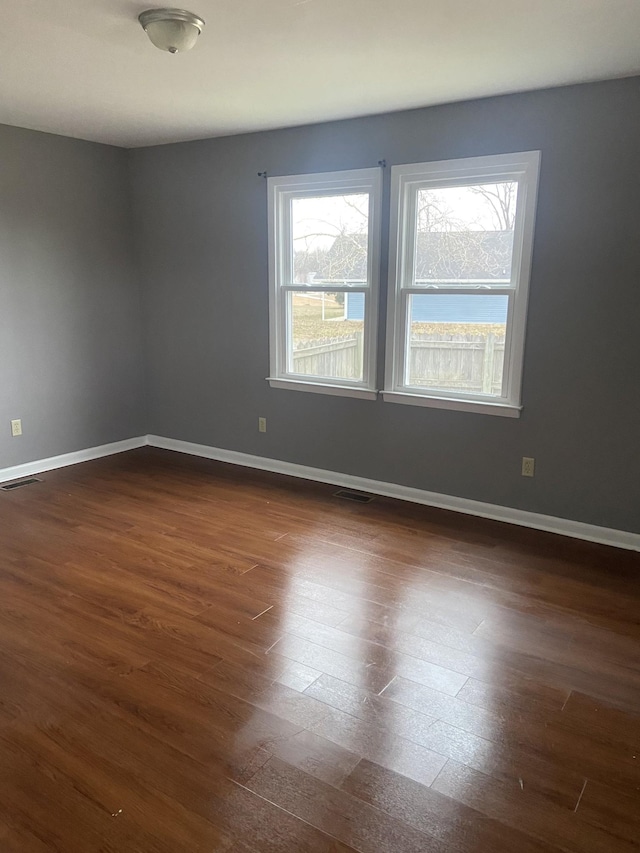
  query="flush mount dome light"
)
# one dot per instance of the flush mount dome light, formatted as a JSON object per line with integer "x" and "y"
{"x": 174, "y": 30}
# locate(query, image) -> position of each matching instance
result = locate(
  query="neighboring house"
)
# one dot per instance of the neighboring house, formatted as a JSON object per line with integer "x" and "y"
{"x": 442, "y": 258}
{"x": 440, "y": 308}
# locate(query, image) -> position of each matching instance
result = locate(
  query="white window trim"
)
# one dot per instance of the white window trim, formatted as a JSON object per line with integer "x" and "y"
{"x": 523, "y": 167}
{"x": 455, "y": 403}
{"x": 280, "y": 190}
{"x": 322, "y": 388}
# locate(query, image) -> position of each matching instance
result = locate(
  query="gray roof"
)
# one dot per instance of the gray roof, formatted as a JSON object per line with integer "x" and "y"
{"x": 440, "y": 255}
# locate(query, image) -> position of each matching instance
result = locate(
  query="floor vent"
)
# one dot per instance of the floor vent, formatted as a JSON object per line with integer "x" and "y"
{"x": 358, "y": 497}
{"x": 9, "y": 487}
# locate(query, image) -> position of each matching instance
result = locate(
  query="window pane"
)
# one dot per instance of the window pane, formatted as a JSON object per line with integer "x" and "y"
{"x": 327, "y": 335}
{"x": 330, "y": 236}
{"x": 465, "y": 235}
{"x": 456, "y": 342}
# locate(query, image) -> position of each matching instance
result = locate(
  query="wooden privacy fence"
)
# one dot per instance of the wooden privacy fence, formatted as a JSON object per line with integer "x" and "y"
{"x": 333, "y": 357}
{"x": 473, "y": 363}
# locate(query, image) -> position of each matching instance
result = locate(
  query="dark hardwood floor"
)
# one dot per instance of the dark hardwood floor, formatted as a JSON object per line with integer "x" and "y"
{"x": 194, "y": 657}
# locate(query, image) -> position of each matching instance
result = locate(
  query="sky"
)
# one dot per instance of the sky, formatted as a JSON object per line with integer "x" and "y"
{"x": 318, "y": 220}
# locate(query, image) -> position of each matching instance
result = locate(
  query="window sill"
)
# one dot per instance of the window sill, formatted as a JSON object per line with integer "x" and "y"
{"x": 503, "y": 410}
{"x": 319, "y": 388}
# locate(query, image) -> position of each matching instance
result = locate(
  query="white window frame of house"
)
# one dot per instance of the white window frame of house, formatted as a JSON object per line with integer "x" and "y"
{"x": 406, "y": 181}
{"x": 281, "y": 191}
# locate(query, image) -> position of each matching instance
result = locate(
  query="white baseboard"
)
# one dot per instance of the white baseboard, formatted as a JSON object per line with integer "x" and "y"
{"x": 38, "y": 466}
{"x": 563, "y": 526}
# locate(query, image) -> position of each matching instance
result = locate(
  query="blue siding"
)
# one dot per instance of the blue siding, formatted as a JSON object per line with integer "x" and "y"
{"x": 440, "y": 308}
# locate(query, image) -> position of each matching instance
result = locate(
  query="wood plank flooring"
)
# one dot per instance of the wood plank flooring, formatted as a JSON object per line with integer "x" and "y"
{"x": 194, "y": 657}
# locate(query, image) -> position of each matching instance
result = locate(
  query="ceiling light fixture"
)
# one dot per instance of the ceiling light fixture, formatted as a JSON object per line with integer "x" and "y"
{"x": 174, "y": 30}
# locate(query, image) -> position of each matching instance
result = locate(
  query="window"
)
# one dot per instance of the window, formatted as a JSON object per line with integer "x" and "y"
{"x": 323, "y": 250}
{"x": 460, "y": 254}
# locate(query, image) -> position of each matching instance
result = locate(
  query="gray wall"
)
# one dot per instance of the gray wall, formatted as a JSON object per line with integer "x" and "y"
{"x": 200, "y": 219}
{"x": 70, "y": 351}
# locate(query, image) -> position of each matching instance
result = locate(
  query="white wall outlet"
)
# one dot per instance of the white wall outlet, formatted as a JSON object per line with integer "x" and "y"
{"x": 262, "y": 424}
{"x": 16, "y": 427}
{"x": 528, "y": 466}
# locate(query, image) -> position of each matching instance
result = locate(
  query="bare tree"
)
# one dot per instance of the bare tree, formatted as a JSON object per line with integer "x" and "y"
{"x": 501, "y": 199}
{"x": 336, "y": 250}
{"x": 459, "y": 247}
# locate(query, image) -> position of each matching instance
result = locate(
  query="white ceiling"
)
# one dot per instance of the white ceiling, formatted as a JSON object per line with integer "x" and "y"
{"x": 85, "y": 68}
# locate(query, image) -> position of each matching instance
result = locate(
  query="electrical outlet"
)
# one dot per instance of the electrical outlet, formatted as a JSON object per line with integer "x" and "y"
{"x": 528, "y": 466}
{"x": 16, "y": 428}
{"x": 262, "y": 424}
